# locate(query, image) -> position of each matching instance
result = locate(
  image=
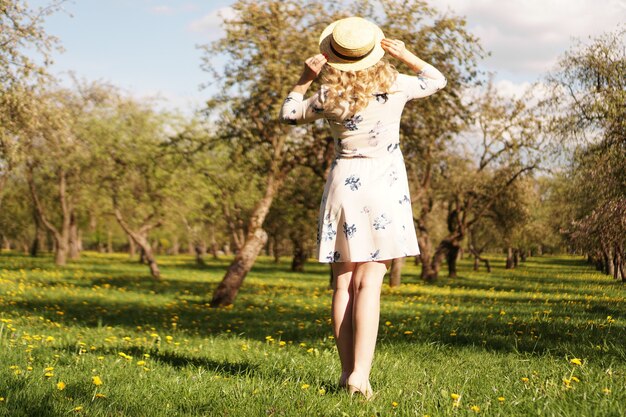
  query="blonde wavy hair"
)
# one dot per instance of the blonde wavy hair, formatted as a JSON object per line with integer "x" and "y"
{"x": 351, "y": 91}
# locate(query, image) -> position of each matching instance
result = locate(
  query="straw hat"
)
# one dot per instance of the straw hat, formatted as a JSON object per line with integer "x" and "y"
{"x": 352, "y": 44}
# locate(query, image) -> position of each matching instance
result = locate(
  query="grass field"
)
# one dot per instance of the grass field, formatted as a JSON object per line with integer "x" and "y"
{"x": 100, "y": 338}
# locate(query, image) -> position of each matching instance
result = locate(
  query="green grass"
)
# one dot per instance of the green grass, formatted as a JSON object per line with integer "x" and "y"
{"x": 509, "y": 334}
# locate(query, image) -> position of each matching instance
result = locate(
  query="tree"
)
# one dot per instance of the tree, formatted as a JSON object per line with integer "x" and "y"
{"x": 21, "y": 37}
{"x": 589, "y": 95}
{"x": 128, "y": 142}
{"x": 264, "y": 46}
{"x": 511, "y": 145}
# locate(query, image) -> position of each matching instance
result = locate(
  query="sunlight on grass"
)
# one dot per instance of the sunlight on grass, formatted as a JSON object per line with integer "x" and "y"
{"x": 100, "y": 337}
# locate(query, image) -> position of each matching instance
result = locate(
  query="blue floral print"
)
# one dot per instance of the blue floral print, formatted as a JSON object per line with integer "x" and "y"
{"x": 393, "y": 177}
{"x": 393, "y": 147}
{"x": 381, "y": 222}
{"x": 333, "y": 256}
{"x": 381, "y": 97}
{"x": 353, "y": 182}
{"x": 351, "y": 122}
{"x": 405, "y": 199}
{"x": 375, "y": 255}
{"x": 349, "y": 231}
{"x": 329, "y": 233}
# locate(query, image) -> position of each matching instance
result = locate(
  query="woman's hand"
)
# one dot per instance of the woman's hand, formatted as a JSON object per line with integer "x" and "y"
{"x": 394, "y": 47}
{"x": 312, "y": 67}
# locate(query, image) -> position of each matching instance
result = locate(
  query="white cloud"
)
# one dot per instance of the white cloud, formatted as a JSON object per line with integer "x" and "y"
{"x": 527, "y": 36}
{"x": 211, "y": 24}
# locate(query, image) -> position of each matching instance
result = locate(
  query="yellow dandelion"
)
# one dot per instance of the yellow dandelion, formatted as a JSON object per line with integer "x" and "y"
{"x": 78, "y": 409}
{"x": 408, "y": 332}
{"x": 60, "y": 385}
{"x": 282, "y": 343}
{"x": 49, "y": 369}
{"x": 575, "y": 379}
{"x": 98, "y": 395}
{"x": 48, "y": 374}
{"x": 606, "y": 391}
{"x": 141, "y": 363}
{"x": 475, "y": 408}
{"x": 394, "y": 404}
{"x": 524, "y": 379}
{"x": 1, "y": 399}
{"x": 96, "y": 380}
{"x": 321, "y": 391}
{"x": 146, "y": 355}
{"x": 305, "y": 386}
{"x": 501, "y": 399}
{"x": 575, "y": 361}
{"x": 455, "y": 397}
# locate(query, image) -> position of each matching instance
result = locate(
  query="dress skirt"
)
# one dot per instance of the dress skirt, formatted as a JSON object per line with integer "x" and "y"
{"x": 365, "y": 212}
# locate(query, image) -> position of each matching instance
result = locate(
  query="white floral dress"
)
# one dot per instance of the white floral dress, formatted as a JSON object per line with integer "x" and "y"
{"x": 365, "y": 212}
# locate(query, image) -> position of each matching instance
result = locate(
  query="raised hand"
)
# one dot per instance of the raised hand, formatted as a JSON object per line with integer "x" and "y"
{"x": 394, "y": 47}
{"x": 312, "y": 67}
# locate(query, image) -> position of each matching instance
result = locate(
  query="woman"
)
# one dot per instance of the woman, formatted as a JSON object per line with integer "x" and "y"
{"x": 365, "y": 215}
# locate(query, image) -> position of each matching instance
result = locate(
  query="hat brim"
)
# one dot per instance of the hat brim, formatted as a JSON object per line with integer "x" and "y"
{"x": 348, "y": 65}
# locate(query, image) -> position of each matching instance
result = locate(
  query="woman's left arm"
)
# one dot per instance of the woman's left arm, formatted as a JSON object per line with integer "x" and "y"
{"x": 428, "y": 79}
{"x": 295, "y": 109}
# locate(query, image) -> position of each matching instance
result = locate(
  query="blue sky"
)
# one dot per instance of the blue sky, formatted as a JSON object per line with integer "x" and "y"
{"x": 148, "y": 47}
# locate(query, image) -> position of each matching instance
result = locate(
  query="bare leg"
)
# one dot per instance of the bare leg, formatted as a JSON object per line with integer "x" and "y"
{"x": 342, "y": 303}
{"x": 367, "y": 281}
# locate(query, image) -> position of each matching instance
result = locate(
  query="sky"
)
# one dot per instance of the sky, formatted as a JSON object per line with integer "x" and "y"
{"x": 149, "y": 47}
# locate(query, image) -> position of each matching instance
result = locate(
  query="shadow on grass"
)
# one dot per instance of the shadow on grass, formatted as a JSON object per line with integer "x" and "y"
{"x": 286, "y": 310}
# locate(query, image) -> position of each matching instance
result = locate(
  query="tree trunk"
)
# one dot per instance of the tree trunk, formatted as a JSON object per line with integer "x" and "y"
{"x": 213, "y": 242}
{"x": 476, "y": 263}
{"x": 36, "y": 245}
{"x": 524, "y": 254}
{"x": 509, "y": 258}
{"x": 132, "y": 247}
{"x": 199, "y": 251}
{"x": 299, "y": 255}
{"x": 74, "y": 238}
{"x": 276, "y": 249}
{"x": 451, "y": 258}
{"x": 515, "y": 258}
{"x": 6, "y": 243}
{"x": 617, "y": 262}
{"x": 175, "y": 249}
{"x": 140, "y": 237}
{"x": 226, "y": 292}
{"x": 395, "y": 275}
{"x": 61, "y": 235}
{"x": 426, "y": 252}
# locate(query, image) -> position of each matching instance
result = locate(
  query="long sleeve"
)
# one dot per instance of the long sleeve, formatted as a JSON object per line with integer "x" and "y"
{"x": 425, "y": 83}
{"x": 296, "y": 110}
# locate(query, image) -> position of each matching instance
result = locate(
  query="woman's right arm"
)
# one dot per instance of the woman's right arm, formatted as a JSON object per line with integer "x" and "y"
{"x": 428, "y": 79}
{"x": 295, "y": 109}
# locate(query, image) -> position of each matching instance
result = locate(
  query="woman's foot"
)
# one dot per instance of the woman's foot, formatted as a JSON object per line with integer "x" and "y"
{"x": 356, "y": 384}
{"x": 343, "y": 380}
